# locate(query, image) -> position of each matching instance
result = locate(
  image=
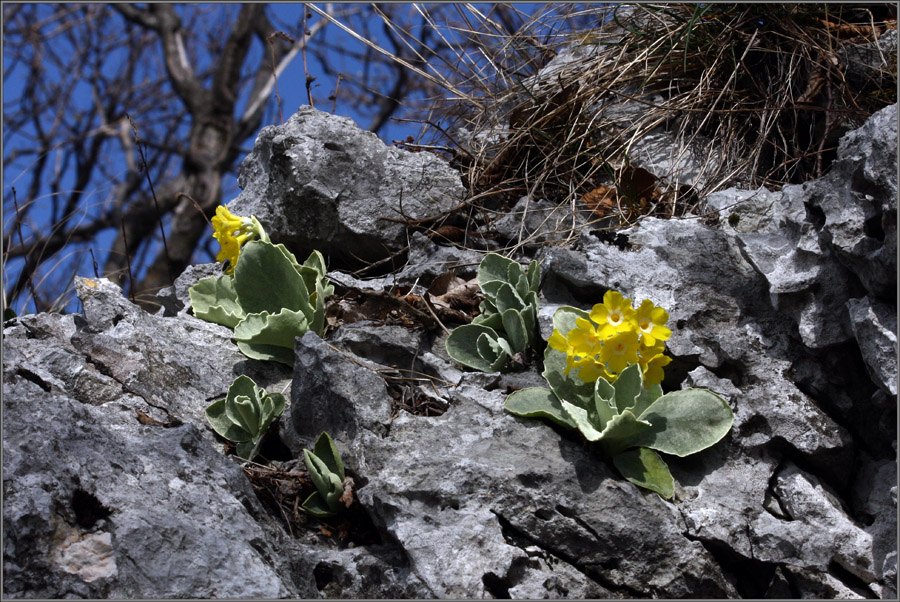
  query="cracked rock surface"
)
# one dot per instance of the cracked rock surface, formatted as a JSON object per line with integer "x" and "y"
{"x": 115, "y": 486}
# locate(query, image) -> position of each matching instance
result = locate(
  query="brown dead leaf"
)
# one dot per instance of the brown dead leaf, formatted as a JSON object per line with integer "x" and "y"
{"x": 601, "y": 200}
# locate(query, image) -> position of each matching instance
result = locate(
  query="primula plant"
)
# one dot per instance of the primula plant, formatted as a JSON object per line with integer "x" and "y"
{"x": 327, "y": 473}
{"x": 604, "y": 376}
{"x": 507, "y": 325}
{"x": 245, "y": 415}
{"x": 265, "y": 294}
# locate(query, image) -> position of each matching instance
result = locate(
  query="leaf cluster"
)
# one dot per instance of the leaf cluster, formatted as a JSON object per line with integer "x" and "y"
{"x": 507, "y": 325}
{"x": 245, "y": 415}
{"x": 269, "y": 300}
{"x": 327, "y": 473}
{"x": 626, "y": 419}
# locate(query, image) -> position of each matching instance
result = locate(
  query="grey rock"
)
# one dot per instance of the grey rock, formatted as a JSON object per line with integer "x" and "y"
{"x": 874, "y": 498}
{"x": 781, "y": 312}
{"x": 372, "y": 572}
{"x": 874, "y": 325}
{"x": 462, "y": 491}
{"x": 534, "y": 221}
{"x": 809, "y": 584}
{"x": 332, "y": 393}
{"x": 818, "y": 243}
{"x": 320, "y": 182}
{"x": 816, "y": 532}
{"x": 98, "y": 505}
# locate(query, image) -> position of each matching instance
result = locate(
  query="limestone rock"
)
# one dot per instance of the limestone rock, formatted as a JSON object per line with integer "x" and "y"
{"x": 320, "y": 182}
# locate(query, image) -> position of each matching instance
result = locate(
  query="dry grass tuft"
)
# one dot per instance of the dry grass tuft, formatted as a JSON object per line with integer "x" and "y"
{"x": 746, "y": 95}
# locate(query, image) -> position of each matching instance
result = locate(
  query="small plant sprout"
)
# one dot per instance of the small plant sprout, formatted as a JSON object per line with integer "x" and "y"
{"x": 333, "y": 488}
{"x": 245, "y": 415}
{"x": 507, "y": 325}
{"x": 265, "y": 295}
{"x": 615, "y": 399}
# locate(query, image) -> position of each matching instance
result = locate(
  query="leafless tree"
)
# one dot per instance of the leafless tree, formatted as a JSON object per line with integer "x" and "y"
{"x": 121, "y": 122}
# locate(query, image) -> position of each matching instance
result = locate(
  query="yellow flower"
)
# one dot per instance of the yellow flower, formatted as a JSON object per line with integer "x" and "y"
{"x": 580, "y": 345}
{"x": 653, "y": 369}
{"x": 590, "y": 371}
{"x": 650, "y": 321}
{"x": 620, "y": 350}
{"x": 614, "y": 315}
{"x": 652, "y": 360}
{"x": 232, "y": 232}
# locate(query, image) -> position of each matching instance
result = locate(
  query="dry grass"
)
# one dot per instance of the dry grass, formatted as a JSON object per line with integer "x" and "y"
{"x": 748, "y": 95}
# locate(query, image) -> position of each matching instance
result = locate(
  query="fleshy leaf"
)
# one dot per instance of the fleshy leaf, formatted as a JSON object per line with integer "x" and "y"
{"x": 514, "y": 326}
{"x": 646, "y": 469}
{"x": 628, "y": 386}
{"x": 685, "y": 422}
{"x": 244, "y": 449}
{"x": 566, "y": 386}
{"x": 489, "y": 289}
{"x": 315, "y": 505}
{"x": 272, "y": 353}
{"x": 462, "y": 346}
{"x": 494, "y": 321}
{"x": 648, "y": 395}
{"x": 585, "y": 420}
{"x": 278, "y": 329}
{"x": 327, "y": 451}
{"x": 622, "y": 432}
{"x": 529, "y": 317}
{"x": 493, "y": 267}
{"x": 508, "y": 298}
{"x": 565, "y": 316}
{"x": 316, "y": 261}
{"x": 318, "y": 472}
{"x": 266, "y": 280}
{"x": 244, "y": 412}
{"x": 606, "y": 391}
{"x": 605, "y": 405}
{"x": 214, "y": 299}
{"x": 534, "y": 275}
{"x": 274, "y": 407}
{"x": 538, "y": 402}
{"x": 224, "y": 426}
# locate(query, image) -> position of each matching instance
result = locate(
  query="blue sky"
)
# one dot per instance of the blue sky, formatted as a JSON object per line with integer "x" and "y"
{"x": 291, "y": 90}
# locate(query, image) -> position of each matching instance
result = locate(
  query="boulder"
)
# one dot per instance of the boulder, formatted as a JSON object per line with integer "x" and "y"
{"x": 320, "y": 182}
{"x": 115, "y": 485}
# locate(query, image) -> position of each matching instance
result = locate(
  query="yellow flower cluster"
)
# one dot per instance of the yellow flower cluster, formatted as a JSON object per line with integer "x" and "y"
{"x": 616, "y": 336}
{"x": 232, "y": 232}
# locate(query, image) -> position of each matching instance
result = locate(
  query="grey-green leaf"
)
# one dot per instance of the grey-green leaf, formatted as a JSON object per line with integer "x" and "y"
{"x": 272, "y": 329}
{"x": 565, "y": 316}
{"x": 566, "y": 386}
{"x": 622, "y": 432}
{"x": 538, "y": 402}
{"x": 585, "y": 420}
{"x": 462, "y": 346}
{"x": 244, "y": 449}
{"x": 266, "y": 280}
{"x": 685, "y": 422}
{"x": 508, "y": 298}
{"x": 628, "y": 386}
{"x": 534, "y": 275}
{"x": 646, "y": 469}
{"x": 327, "y": 451}
{"x": 514, "y": 326}
{"x": 274, "y": 353}
{"x": 224, "y": 426}
{"x": 215, "y": 300}
{"x": 493, "y": 267}
{"x": 315, "y": 505}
